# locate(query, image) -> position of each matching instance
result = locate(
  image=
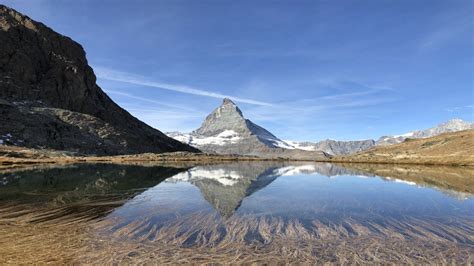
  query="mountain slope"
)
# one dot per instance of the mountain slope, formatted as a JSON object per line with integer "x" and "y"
{"x": 226, "y": 131}
{"x": 40, "y": 68}
{"x": 453, "y": 125}
{"x": 455, "y": 148}
{"x": 334, "y": 147}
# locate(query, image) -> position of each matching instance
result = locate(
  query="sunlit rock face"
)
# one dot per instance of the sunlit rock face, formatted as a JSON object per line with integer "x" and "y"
{"x": 227, "y": 131}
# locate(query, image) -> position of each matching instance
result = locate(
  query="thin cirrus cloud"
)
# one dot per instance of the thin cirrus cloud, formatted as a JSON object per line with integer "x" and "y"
{"x": 459, "y": 108}
{"x": 128, "y": 95}
{"x": 113, "y": 75}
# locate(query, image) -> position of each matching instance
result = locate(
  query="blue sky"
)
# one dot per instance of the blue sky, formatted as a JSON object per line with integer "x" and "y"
{"x": 305, "y": 70}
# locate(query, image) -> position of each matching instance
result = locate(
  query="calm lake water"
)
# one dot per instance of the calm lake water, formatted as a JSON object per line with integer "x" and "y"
{"x": 237, "y": 212}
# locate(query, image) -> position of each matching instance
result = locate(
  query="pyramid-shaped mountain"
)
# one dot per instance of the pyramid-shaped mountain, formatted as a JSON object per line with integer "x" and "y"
{"x": 227, "y": 131}
{"x": 228, "y": 117}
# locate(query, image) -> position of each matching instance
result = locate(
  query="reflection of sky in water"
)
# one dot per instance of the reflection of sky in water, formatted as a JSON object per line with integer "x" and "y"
{"x": 166, "y": 199}
{"x": 250, "y": 201}
{"x": 305, "y": 196}
{"x": 315, "y": 196}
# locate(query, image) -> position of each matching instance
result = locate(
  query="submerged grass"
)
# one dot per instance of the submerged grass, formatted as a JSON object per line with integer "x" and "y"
{"x": 61, "y": 236}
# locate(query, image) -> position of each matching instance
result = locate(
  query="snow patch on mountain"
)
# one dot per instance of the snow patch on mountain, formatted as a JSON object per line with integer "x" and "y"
{"x": 306, "y": 146}
{"x": 279, "y": 143}
{"x": 223, "y": 138}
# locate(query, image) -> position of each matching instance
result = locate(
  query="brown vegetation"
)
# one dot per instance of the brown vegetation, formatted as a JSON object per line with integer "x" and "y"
{"x": 445, "y": 149}
{"x": 77, "y": 239}
{"x": 14, "y": 157}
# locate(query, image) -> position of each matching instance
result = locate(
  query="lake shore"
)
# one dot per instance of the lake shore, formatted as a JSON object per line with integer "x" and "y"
{"x": 14, "y": 157}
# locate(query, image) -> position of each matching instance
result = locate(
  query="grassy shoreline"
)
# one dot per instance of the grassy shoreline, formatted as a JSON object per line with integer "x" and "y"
{"x": 13, "y": 162}
{"x": 449, "y": 149}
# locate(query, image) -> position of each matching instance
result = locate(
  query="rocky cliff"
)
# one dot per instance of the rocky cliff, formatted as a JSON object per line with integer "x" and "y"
{"x": 49, "y": 97}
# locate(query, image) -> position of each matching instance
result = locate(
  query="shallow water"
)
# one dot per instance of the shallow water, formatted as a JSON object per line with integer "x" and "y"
{"x": 238, "y": 212}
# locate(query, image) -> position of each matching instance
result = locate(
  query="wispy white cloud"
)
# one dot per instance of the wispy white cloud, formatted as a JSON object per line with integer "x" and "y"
{"x": 459, "y": 108}
{"x": 449, "y": 27}
{"x": 348, "y": 95}
{"x": 128, "y": 95}
{"x": 109, "y": 74}
{"x": 350, "y": 99}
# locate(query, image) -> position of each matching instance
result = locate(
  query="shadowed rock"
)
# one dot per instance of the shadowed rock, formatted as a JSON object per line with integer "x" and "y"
{"x": 49, "y": 97}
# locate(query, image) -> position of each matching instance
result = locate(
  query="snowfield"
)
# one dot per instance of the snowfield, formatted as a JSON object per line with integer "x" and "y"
{"x": 223, "y": 138}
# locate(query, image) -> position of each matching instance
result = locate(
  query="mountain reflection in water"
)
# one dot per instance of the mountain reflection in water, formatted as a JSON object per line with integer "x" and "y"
{"x": 266, "y": 211}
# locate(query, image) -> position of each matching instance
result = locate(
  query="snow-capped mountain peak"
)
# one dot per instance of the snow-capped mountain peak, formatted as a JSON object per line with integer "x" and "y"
{"x": 227, "y": 125}
{"x": 226, "y": 130}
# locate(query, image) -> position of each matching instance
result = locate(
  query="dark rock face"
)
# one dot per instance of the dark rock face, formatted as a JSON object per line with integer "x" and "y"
{"x": 40, "y": 68}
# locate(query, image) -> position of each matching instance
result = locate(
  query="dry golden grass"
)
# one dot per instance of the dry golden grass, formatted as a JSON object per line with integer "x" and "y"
{"x": 19, "y": 157}
{"x": 198, "y": 239}
{"x": 445, "y": 149}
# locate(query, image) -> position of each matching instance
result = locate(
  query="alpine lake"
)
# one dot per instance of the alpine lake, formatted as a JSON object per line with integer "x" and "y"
{"x": 242, "y": 212}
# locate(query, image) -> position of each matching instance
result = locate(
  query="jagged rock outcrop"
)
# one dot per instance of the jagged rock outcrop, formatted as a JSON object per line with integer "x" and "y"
{"x": 452, "y": 125}
{"x": 49, "y": 97}
{"x": 227, "y": 131}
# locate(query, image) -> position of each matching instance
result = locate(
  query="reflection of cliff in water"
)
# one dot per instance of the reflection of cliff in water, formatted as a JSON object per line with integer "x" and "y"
{"x": 80, "y": 188}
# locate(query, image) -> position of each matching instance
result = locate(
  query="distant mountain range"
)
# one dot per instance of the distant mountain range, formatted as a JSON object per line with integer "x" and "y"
{"x": 334, "y": 147}
{"x": 451, "y": 148}
{"x": 453, "y": 125}
{"x": 226, "y": 131}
